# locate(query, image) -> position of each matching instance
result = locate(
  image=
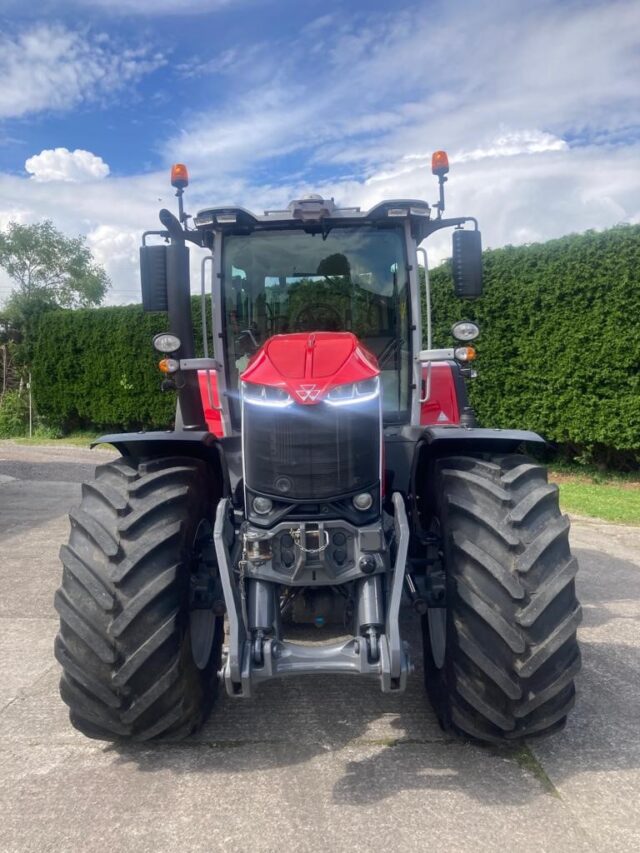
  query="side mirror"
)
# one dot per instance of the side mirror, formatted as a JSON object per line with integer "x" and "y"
{"x": 467, "y": 264}
{"x": 153, "y": 277}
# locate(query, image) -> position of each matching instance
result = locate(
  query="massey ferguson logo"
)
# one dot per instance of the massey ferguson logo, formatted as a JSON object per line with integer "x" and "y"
{"x": 308, "y": 392}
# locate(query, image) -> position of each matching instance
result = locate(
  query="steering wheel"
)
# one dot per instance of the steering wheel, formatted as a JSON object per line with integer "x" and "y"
{"x": 319, "y": 317}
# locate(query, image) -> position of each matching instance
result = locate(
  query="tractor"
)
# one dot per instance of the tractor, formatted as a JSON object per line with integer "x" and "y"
{"x": 324, "y": 475}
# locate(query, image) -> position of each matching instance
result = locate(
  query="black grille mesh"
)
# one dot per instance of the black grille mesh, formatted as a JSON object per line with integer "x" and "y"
{"x": 311, "y": 452}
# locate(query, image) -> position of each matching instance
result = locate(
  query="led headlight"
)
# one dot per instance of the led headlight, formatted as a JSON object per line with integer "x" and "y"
{"x": 354, "y": 392}
{"x": 166, "y": 342}
{"x": 363, "y": 501}
{"x": 465, "y": 330}
{"x": 265, "y": 395}
{"x": 262, "y": 506}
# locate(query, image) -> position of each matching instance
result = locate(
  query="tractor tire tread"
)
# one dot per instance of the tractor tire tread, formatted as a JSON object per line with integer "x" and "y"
{"x": 123, "y": 644}
{"x": 512, "y": 653}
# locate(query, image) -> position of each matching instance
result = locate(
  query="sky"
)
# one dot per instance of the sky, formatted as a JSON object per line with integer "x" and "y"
{"x": 536, "y": 102}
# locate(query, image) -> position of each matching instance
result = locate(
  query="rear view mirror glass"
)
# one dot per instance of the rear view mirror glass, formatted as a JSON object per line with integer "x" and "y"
{"x": 467, "y": 264}
{"x": 153, "y": 277}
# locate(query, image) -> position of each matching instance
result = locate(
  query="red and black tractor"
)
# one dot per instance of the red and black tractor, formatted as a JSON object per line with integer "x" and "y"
{"x": 325, "y": 468}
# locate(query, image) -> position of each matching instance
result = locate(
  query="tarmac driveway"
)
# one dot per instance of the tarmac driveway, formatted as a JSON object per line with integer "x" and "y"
{"x": 308, "y": 765}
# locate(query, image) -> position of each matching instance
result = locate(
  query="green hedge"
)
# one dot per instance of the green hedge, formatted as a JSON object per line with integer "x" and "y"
{"x": 559, "y": 350}
{"x": 97, "y": 368}
{"x": 14, "y": 414}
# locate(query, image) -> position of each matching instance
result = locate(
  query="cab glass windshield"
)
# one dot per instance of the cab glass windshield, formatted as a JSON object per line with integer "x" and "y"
{"x": 351, "y": 279}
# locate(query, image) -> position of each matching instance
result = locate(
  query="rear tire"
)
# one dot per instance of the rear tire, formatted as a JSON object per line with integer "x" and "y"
{"x": 511, "y": 651}
{"x": 125, "y": 642}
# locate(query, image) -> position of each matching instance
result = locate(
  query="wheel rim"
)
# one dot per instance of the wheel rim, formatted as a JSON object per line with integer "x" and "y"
{"x": 202, "y": 628}
{"x": 202, "y": 623}
{"x": 437, "y": 616}
{"x": 437, "y": 620}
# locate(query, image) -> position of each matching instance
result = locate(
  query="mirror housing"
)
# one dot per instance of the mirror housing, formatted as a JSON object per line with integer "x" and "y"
{"x": 467, "y": 264}
{"x": 153, "y": 278}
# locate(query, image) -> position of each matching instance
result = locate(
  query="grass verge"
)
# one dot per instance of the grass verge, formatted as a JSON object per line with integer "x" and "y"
{"x": 611, "y": 503}
{"x": 611, "y": 496}
{"x": 76, "y": 439}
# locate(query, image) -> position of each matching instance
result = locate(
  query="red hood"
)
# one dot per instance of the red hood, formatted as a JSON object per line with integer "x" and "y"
{"x": 309, "y": 364}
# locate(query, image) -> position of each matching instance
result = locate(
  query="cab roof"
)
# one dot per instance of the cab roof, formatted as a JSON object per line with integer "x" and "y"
{"x": 314, "y": 211}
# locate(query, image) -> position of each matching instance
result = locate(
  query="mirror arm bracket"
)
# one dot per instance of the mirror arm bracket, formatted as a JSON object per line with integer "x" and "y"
{"x": 195, "y": 237}
{"x": 438, "y": 224}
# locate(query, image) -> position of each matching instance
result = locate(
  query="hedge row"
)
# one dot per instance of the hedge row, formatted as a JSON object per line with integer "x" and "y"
{"x": 559, "y": 350}
{"x": 97, "y": 368}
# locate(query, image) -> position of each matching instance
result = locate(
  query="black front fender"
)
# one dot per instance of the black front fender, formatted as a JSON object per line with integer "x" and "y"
{"x": 468, "y": 440}
{"x": 411, "y": 447}
{"x": 437, "y": 442}
{"x": 223, "y": 454}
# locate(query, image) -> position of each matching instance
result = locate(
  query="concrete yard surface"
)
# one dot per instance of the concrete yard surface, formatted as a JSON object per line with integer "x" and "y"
{"x": 308, "y": 764}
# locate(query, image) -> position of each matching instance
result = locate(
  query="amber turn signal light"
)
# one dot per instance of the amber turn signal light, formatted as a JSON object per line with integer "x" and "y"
{"x": 439, "y": 163}
{"x": 464, "y": 353}
{"x": 168, "y": 365}
{"x": 179, "y": 176}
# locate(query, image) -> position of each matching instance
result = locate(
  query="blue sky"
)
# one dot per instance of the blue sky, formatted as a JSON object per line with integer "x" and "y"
{"x": 537, "y": 103}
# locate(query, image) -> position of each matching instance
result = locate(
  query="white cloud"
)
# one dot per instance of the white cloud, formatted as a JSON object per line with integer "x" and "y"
{"x": 510, "y": 144}
{"x": 521, "y": 198}
{"x": 60, "y": 164}
{"x": 108, "y": 241}
{"x": 506, "y": 88}
{"x": 524, "y": 198}
{"x": 116, "y": 249}
{"x": 483, "y": 80}
{"x": 49, "y": 67}
{"x": 514, "y": 143}
{"x": 113, "y": 215}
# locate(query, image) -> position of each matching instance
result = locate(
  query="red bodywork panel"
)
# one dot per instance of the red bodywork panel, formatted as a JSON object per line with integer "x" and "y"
{"x": 442, "y": 406}
{"x": 212, "y": 416}
{"x": 309, "y": 364}
{"x": 284, "y": 356}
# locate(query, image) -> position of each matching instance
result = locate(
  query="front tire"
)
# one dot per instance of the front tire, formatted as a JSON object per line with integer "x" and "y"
{"x": 511, "y": 652}
{"x": 125, "y": 640}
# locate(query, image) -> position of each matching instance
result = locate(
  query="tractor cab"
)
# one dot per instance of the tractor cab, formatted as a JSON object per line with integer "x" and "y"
{"x": 315, "y": 267}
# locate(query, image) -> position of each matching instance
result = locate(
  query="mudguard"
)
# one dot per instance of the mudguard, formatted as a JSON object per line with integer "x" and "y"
{"x": 468, "y": 439}
{"x": 410, "y": 448}
{"x": 436, "y": 442}
{"x": 224, "y": 454}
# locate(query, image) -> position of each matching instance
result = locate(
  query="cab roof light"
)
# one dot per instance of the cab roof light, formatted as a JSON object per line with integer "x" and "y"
{"x": 206, "y": 219}
{"x": 312, "y": 207}
{"x": 179, "y": 176}
{"x": 439, "y": 163}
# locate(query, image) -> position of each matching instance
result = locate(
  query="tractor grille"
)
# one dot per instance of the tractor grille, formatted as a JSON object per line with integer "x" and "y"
{"x": 311, "y": 452}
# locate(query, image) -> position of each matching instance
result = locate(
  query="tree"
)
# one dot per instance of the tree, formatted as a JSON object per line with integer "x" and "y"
{"x": 49, "y": 268}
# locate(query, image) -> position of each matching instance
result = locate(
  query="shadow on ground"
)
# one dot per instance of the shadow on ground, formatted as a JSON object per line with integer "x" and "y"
{"x": 294, "y": 721}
